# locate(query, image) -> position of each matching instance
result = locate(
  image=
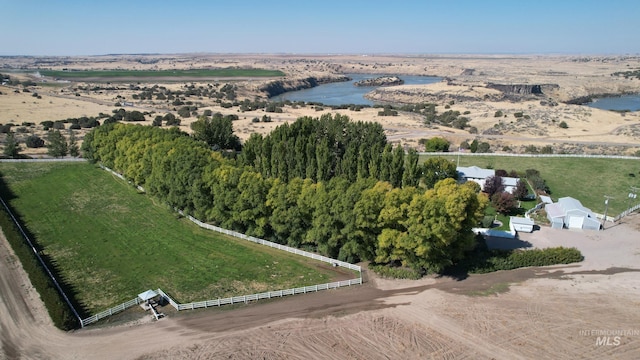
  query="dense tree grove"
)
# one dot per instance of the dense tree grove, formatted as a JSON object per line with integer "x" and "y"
{"x": 320, "y": 184}
{"x": 216, "y": 131}
{"x": 328, "y": 147}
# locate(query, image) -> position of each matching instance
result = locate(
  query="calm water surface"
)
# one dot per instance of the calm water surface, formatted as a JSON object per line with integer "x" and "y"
{"x": 345, "y": 92}
{"x": 625, "y": 102}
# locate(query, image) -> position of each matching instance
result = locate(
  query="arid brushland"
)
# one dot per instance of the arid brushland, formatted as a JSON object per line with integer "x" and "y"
{"x": 511, "y": 102}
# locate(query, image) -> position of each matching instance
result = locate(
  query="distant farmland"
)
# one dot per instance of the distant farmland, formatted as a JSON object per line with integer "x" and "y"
{"x": 155, "y": 74}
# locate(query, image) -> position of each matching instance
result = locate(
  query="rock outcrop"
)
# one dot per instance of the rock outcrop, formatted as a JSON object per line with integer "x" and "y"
{"x": 277, "y": 87}
{"x": 380, "y": 81}
{"x": 523, "y": 89}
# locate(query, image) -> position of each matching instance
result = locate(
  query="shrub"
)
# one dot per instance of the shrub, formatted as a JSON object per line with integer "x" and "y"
{"x": 518, "y": 114}
{"x": 483, "y": 147}
{"x": 563, "y": 124}
{"x": 498, "y": 113}
{"x": 487, "y": 221}
{"x": 395, "y": 272}
{"x": 482, "y": 260}
{"x": 547, "y": 149}
{"x": 34, "y": 141}
{"x": 435, "y": 144}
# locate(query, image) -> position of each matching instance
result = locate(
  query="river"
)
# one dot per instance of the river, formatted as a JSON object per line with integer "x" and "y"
{"x": 625, "y": 102}
{"x": 345, "y": 92}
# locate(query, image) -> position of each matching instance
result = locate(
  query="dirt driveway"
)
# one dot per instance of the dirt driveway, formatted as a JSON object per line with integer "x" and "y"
{"x": 535, "y": 313}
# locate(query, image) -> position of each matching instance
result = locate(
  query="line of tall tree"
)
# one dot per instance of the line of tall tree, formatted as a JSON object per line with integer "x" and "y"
{"x": 332, "y": 146}
{"x": 426, "y": 226}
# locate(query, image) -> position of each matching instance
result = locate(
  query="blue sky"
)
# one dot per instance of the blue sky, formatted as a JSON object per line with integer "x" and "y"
{"x": 87, "y": 27}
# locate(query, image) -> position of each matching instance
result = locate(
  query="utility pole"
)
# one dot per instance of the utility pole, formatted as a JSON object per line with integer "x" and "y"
{"x": 606, "y": 207}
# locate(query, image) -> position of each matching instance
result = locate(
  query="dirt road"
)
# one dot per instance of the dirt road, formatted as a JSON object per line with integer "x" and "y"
{"x": 541, "y": 313}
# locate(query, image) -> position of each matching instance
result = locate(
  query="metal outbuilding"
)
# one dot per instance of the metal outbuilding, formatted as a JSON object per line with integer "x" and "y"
{"x": 569, "y": 212}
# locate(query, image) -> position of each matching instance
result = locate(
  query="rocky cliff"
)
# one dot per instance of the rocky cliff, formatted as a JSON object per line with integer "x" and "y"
{"x": 277, "y": 87}
{"x": 523, "y": 89}
{"x": 380, "y": 81}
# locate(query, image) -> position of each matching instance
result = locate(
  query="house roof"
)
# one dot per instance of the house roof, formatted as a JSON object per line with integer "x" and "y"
{"x": 475, "y": 172}
{"x": 568, "y": 204}
{"x": 510, "y": 181}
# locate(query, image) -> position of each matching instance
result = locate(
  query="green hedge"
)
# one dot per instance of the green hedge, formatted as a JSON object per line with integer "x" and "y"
{"x": 59, "y": 311}
{"x": 395, "y": 272}
{"x": 480, "y": 262}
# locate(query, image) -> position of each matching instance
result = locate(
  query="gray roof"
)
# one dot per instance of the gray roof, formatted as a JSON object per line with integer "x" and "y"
{"x": 149, "y": 294}
{"x": 569, "y": 203}
{"x": 546, "y": 199}
{"x": 554, "y": 210}
{"x": 521, "y": 220}
{"x": 474, "y": 172}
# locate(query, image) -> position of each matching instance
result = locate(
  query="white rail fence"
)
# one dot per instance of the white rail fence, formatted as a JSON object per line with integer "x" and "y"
{"x": 260, "y": 296}
{"x": 535, "y": 208}
{"x": 625, "y": 213}
{"x": 274, "y": 245}
{"x": 457, "y": 153}
{"x": 114, "y": 310}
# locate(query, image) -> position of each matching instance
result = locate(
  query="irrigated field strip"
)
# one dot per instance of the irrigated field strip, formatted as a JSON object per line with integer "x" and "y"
{"x": 110, "y": 242}
{"x": 229, "y": 72}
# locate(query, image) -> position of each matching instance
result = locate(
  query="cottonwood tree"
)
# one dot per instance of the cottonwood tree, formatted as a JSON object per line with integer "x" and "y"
{"x": 435, "y": 169}
{"x": 521, "y": 191}
{"x": 74, "y": 150}
{"x": 11, "y": 146}
{"x": 56, "y": 144}
{"x": 436, "y": 230}
{"x": 217, "y": 132}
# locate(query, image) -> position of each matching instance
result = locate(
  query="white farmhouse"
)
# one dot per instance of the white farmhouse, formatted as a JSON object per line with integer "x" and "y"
{"x": 479, "y": 175}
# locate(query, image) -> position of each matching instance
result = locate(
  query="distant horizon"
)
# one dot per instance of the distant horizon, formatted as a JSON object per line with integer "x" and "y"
{"x": 332, "y": 27}
{"x": 329, "y": 54}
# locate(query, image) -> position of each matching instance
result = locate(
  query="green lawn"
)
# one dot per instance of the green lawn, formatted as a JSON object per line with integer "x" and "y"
{"x": 228, "y": 72}
{"x": 586, "y": 179}
{"x": 111, "y": 243}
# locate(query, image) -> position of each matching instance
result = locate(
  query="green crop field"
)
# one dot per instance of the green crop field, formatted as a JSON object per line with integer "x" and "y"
{"x": 195, "y": 73}
{"x": 586, "y": 179}
{"x": 110, "y": 243}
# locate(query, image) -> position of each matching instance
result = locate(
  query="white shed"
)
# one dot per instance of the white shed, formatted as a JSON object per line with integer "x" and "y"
{"x": 520, "y": 224}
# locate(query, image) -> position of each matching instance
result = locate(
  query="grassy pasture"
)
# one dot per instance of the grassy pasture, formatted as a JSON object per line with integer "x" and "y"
{"x": 110, "y": 243}
{"x": 195, "y": 73}
{"x": 586, "y": 179}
